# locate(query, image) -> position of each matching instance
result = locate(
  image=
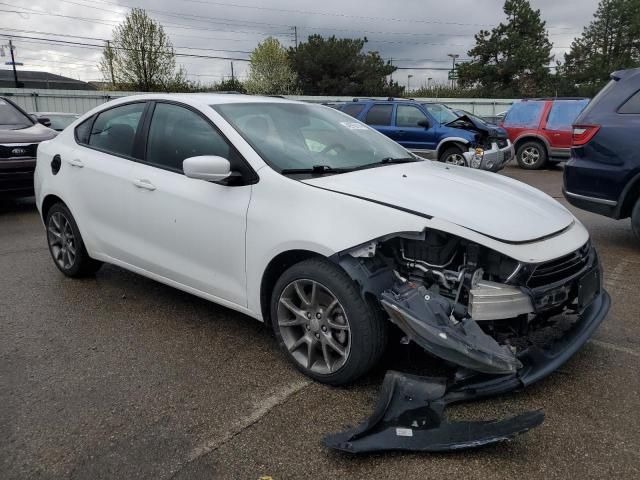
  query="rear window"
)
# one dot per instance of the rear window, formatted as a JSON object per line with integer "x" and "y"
{"x": 379, "y": 115}
{"x": 353, "y": 109}
{"x": 632, "y": 105}
{"x": 524, "y": 114}
{"x": 12, "y": 118}
{"x": 595, "y": 100}
{"x": 563, "y": 113}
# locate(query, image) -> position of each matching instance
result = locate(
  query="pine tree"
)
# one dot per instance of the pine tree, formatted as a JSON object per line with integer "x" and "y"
{"x": 610, "y": 42}
{"x": 513, "y": 58}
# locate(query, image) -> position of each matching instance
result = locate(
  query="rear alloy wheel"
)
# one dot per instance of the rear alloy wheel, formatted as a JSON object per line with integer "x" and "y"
{"x": 531, "y": 155}
{"x": 453, "y": 156}
{"x": 635, "y": 219}
{"x": 66, "y": 245}
{"x": 323, "y": 324}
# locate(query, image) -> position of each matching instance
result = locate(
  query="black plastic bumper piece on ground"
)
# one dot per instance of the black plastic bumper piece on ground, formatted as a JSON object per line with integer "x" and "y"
{"x": 409, "y": 415}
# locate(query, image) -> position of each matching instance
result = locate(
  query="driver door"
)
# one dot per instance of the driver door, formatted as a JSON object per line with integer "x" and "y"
{"x": 415, "y": 137}
{"x": 188, "y": 231}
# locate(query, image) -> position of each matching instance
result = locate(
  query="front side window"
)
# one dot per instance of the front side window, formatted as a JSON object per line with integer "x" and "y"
{"x": 177, "y": 133}
{"x": 303, "y": 136}
{"x": 114, "y": 130}
{"x": 379, "y": 115}
{"x": 524, "y": 115}
{"x": 409, "y": 116}
{"x": 563, "y": 113}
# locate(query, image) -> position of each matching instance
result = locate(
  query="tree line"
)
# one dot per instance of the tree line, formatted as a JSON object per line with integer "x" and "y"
{"x": 514, "y": 59}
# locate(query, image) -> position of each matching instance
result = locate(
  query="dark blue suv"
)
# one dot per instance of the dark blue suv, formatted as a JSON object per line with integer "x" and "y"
{"x": 603, "y": 174}
{"x": 434, "y": 131}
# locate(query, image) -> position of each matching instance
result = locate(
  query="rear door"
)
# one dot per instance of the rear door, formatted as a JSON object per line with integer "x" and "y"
{"x": 379, "y": 116}
{"x": 98, "y": 175}
{"x": 411, "y": 135}
{"x": 557, "y": 124}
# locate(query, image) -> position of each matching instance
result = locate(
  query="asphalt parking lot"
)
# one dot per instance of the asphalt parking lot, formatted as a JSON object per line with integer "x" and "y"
{"x": 118, "y": 376}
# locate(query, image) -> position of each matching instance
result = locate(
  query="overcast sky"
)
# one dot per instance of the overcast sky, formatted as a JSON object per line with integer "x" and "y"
{"x": 414, "y": 33}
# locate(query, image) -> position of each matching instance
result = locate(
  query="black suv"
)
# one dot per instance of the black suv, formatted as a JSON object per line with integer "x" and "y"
{"x": 603, "y": 174}
{"x": 20, "y": 135}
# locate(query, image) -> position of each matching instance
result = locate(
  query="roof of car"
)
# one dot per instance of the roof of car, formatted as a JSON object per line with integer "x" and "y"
{"x": 56, "y": 113}
{"x": 208, "y": 98}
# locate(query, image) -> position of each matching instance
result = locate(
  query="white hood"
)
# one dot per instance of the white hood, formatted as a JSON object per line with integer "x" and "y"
{"x": 487, "y": 203}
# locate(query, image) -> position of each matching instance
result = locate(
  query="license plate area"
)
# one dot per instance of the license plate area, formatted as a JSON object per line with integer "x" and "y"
{"x": 588, "y": 288}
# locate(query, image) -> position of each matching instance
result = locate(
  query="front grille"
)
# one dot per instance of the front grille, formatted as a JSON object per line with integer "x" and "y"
{"x": 557, "y": 270}
{"x": 15, "y": 151}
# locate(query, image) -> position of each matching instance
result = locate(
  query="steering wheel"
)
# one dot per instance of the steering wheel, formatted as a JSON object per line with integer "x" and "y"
{"x": 334, "y": 146}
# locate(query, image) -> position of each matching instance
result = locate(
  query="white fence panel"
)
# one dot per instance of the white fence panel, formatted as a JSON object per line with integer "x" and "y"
{"x": 81, "y": 101}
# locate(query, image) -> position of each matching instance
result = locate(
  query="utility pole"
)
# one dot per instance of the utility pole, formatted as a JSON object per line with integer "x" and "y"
{"x": 110, "y": 53}
{"x": 391, "y": 74}
{"x": 13, "y": 65}
{"x": 232, "y": 76}
{"x": 295, "y": 36}
{"x": 409, "y": 83}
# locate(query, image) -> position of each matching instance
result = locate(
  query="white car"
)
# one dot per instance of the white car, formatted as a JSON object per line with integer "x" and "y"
{"x": 300, "y": 216}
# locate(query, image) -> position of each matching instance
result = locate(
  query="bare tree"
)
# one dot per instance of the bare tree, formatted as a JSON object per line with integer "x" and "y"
{"x": 141, "y": 56}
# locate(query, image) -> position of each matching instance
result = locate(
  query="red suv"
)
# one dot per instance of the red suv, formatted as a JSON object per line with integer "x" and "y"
{"x": 540, "y": 129}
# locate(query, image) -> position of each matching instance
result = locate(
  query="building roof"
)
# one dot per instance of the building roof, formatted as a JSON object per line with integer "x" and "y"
{"x": 33, "y": 79}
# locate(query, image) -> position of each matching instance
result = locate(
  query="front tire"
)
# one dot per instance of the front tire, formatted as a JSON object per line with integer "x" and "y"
{"x": 323, "y": 324}
{"x": 453, "y": 156}
{"x": 635, "y": 219}
{"x": 66, "y": 245}
{"x": 531, "y": 155}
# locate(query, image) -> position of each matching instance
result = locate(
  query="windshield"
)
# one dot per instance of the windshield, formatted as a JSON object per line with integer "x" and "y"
{"x": 440, "y": 113}
{"x": 11, "y": 118}
{"x": 290, "y": 136}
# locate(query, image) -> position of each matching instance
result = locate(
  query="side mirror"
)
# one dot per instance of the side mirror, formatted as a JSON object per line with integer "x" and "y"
{"x": 42, "y": 121}
{"x": 424, "y": 123}
{"x": 207, "y": 167}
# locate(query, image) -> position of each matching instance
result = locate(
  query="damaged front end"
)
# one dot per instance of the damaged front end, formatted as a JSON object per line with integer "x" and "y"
{"x": 499, "y": 323}
{"x": 491, "y": 149}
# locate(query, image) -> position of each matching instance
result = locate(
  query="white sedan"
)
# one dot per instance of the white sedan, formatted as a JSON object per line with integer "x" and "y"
{"x": 304, "y": 218}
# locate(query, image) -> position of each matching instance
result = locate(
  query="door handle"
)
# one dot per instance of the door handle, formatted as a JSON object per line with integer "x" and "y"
{"x": 76, "y": 162}
{"x": 143, "y": 183}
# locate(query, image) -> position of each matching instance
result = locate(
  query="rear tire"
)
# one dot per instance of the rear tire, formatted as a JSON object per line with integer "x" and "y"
{"x": 635, "y": 219}
{"x": 66, "y": 245}
{"x": 531, "y": 155}
{"x": 333, "y": 345}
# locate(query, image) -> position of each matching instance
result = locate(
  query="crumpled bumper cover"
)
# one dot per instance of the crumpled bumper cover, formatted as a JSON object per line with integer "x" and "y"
{"x": 409, "y": 415}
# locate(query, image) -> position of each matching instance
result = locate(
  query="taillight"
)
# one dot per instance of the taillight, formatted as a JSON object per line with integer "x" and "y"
{"x": 583, "y": 133}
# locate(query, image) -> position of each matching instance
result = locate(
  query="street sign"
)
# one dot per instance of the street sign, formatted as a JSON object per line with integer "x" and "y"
{"x": 18, "y": 64}
{"x": 453, "y": 74}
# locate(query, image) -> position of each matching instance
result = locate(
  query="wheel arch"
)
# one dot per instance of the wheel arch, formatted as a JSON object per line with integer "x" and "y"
{"x": 48, "y": 202}
{"x": 630, "y": 195}
{"x": 275, "y": 268}
{"x": 450, "y": 142}
{"x": 531, "y": 138}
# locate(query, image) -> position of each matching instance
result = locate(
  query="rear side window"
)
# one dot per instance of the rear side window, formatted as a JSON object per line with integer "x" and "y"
{"x": 563, "y": 113}
{"x": 379, "y": 115}
{"x": 114, "y": 130}
{"x": 524, "y": 114}
{"x": 353, "y": 109}
{"x": 177, "y": 133}
{"x": 632, "y": 105}
{"x": 409, "y": 116}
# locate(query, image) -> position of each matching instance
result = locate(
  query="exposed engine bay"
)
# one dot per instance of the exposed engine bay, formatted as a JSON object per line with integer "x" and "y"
{"x": 499, "y": 323}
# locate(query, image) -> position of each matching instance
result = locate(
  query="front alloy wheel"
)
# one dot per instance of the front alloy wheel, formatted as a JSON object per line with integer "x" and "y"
{"x": 324, "y": 325}
{"x": 314, "y": 326}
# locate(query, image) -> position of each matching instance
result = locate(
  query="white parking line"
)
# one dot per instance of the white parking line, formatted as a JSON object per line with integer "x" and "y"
{"x": 615, "y": 348}
{"x": 261, "y": 408}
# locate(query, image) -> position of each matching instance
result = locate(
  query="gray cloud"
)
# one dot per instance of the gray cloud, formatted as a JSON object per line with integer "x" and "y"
{"x": 415, "y": 33}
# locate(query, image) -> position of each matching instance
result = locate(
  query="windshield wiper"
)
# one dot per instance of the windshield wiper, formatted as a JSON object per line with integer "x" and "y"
{"x": 388, "y": 161}
{"x": 316, "y": 170}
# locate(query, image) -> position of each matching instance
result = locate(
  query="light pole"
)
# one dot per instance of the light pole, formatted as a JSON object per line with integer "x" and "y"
{"x": 13, "y": 62}
{"x": 409, "y": 77}
{"x": 429, "y": 82}
{"x": 453, "y": 67}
